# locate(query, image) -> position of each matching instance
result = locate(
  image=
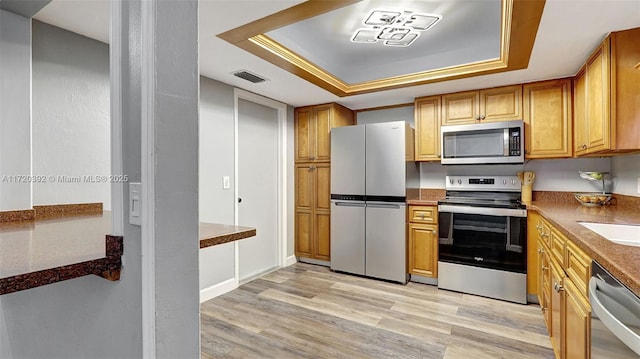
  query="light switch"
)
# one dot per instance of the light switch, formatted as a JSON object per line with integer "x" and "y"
{"x": 135, "y": 203}
{"x": 226, "y": 182}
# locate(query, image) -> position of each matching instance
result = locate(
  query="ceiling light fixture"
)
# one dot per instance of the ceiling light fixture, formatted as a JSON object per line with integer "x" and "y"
{"x": 393, "y": 28}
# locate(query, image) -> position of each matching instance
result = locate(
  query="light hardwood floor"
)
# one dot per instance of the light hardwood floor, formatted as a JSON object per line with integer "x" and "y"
{"x": 307, "y": 311}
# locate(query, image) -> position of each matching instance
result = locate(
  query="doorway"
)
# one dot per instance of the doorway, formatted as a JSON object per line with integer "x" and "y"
{"x": 259, "y": 185}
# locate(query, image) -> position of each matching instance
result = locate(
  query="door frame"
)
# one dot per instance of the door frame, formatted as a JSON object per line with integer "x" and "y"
{"x": 281, "y": 193}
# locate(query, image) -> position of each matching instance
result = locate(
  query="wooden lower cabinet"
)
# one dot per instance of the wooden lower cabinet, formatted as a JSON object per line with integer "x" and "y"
{"x": 562, "y": 294}
{"x": 556, "y": 330}
{"x": 423, "y": 241}
{"x": 313, "y": 211}
{"x": 423, "y": 249}
{"x": 577, "y": 319}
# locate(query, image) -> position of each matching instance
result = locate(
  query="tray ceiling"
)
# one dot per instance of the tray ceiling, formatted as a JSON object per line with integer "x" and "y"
{"x": 314, "y": 41}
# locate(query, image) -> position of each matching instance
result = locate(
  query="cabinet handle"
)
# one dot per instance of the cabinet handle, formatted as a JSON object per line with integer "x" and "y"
{"x": 312, "y": 158}
{"x": 557, "y": 287}
{"x": 477, "y": 118}
{"x": 543, "y": 268}
{"x": 434, "y": 231}
{"x": 584, "y": 147}
{"x": 540, "y": 250}
{"x": 312, "y": 168}
{"x": 482, "y": 117}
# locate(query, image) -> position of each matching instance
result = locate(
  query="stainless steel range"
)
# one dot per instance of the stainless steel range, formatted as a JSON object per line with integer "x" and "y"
{"x": 483, "y": 237}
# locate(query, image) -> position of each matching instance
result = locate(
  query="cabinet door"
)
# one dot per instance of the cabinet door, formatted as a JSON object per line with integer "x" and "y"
{"x": 427, "y": 116}
{"x": 577, "y": 319}
{"x": 304, "y": 142}
{"x": 322, "y": 150}
{"x": 501, "y": 104}
{"x": 304, "y": 203}
{"x": 304, "y": 233}
{"x": 423, "y": 249}
{"x": 556, "y": 330}
{"x": 321, "y": 248}
{"x": 598, "y": 92}
{"x": 304, "y": 196}
{"x": 322, "y": 236}
{"x": 460, "y": 108}
{"x": 547, "y": 119}
{"x": 580, "y": 128}
{"x": 322, "y": 178}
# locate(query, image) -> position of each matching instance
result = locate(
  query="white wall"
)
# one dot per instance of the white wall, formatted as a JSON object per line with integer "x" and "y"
{"x": 217, "y": 263}
{"x": 626, "y": 171}
{"x": 71, "y": 119}
{"x": 405, "y": 113}
{"x": 15, "y": 110}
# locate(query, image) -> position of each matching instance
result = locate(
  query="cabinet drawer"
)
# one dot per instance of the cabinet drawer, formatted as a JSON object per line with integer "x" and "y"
{"x": 578, "y": 267}
{"x": 558, "y": 242}
{"x": 423, "y": 214}
{"x": 544, "y": 231}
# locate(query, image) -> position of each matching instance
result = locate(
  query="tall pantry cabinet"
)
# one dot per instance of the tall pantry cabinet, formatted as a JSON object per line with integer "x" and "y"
{"x": 313, "y": 125}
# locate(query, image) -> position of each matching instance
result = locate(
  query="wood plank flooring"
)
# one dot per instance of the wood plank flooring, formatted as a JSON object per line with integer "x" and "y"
{"x": 307, "y": 311}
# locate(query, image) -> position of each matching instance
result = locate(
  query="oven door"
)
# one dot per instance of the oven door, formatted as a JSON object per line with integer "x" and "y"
{"x": 493, "y": 238}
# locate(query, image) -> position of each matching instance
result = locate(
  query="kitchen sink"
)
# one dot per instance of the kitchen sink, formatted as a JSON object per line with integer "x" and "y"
{"x": 626, "y": 234}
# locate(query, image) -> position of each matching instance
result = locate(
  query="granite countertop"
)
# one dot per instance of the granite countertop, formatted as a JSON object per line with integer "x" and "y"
{"x": 212, "y": 234}
{"x": 40, "y": 252}
{"x": 426, "y": 197}
{"x": 622, "y": 261}
{"x": 31, "y": 246}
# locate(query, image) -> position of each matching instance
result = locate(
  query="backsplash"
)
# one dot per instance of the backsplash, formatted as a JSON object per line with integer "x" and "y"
{"x": 551, "y": 175}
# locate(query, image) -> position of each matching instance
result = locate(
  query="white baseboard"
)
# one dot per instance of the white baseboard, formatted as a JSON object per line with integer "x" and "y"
{"x": 290, "y": 260}
{"x": 218, "y": 289}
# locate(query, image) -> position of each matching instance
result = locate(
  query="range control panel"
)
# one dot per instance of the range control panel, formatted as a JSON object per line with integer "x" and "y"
{"x": 483, "y": 183}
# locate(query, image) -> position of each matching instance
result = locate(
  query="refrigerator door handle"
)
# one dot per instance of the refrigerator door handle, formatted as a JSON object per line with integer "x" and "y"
{"x": 349, "y": 204}
{"x": 384, "y": 205}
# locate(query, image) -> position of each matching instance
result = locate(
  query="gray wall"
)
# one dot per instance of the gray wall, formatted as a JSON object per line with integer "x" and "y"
{"x": 70, "y": 119}
{"x": 626, "y": 171}
{"x": 217, "y": 263}
{"x": 15, "y": 110}
{"x": 87, "y": 317}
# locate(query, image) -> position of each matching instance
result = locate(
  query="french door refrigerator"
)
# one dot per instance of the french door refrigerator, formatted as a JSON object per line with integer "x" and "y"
{"x": 372, "y": 169}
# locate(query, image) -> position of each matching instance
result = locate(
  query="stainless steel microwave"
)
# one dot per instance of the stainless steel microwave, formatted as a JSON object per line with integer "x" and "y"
{"x": 483, "y": 143}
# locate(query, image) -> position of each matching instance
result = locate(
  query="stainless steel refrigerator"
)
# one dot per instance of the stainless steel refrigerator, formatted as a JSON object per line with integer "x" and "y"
{"x": 372, "y": 170}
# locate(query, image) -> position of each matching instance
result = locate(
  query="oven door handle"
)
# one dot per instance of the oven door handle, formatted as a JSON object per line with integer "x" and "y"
{"x": 487, "y": 211}
{"x": 618, "y": 328}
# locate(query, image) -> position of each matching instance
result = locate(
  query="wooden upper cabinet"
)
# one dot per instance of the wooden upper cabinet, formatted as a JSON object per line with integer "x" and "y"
{"x": 501, "y": 104}
{"x": 607, "y": 100}
{"x": 580, "y": 113}
{"x": 460, "y": 108}
{"x": 313, "y": 125}
{"x": 547, "y": 119}
{"x": 427, "y": 118}
{"x": 490, "y": 105}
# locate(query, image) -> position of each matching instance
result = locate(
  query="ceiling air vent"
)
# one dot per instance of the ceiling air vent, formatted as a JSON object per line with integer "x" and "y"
{"x": 249, "y": 76}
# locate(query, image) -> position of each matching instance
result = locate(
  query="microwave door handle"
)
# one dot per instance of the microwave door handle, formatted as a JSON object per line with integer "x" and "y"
{"x": 621, "y": 331}
{"x": 505, "y": 147}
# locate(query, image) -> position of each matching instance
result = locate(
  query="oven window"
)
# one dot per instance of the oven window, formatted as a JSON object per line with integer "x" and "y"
{"x": 495, "y": 242}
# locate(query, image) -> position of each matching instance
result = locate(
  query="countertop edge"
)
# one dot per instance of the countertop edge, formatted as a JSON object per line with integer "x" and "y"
{"x": 107, "y": 267}
{"x": 240, "y": 233}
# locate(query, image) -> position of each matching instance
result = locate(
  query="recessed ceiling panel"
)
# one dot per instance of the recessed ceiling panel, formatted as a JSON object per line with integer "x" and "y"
{"x": 377, "y": 39}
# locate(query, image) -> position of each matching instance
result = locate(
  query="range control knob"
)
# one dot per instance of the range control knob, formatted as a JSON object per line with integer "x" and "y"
{"x": 459, "y": 181}
{"x": 504, "y": 181}
{"x": 513, "y": 181}
{"x": 451, "y": 180}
